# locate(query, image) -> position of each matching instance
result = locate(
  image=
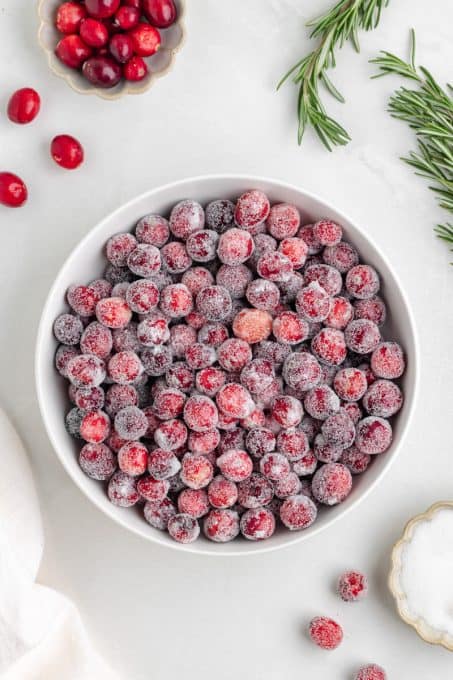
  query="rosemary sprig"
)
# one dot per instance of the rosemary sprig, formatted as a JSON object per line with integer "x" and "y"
{"x": 338, "y": 25}
{"x": 428, "y": 110}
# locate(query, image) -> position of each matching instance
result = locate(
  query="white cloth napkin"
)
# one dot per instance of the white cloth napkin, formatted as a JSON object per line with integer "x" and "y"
{"x": 41, "y": 634}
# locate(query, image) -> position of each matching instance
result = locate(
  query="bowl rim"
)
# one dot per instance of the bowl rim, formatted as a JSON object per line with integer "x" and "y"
{"x": 42, "y": 338}
{"x": 66, "y": 73}
{"x": 424, "y": 630}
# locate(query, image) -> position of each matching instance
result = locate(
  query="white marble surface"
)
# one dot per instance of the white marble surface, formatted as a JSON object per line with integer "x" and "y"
{"x": 154, "y": 613}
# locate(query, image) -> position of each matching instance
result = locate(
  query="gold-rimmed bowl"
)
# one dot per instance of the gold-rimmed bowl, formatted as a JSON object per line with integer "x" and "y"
{"x": 158, "y": 65}
{"x": 420, "y": 625}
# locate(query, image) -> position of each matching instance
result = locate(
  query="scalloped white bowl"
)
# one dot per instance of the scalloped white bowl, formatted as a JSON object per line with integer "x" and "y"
{"x": 403, "y": 605}
{"x": 87, "y": 262}
{"x": 159, "y": 64}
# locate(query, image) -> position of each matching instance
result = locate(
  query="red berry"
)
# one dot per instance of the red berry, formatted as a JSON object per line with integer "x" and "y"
{"x": 72, "y": 51}
{"x": 306, "y": 233}
{"x": 96, "y": 339}
{"x": 374, "y": 435}
{"x": 350, "y": 384}
{"x": 142, "y": 297}
{"x": 371, "y": 672}
{"x": 252, "y": 325}
{"x": 235, "y": 464}
{"x": 356, "y": 461}
{"x": 97, "y": 461}
{"x": 69, "y": 16}
{"x": 67, "y": 152}
{"x": 283, "y": 221}
{"x": 23, "y": 106}
{"x": 275, "y": 466}
{"x": 121, "y": 47}
{"x": 234, "y": 401}
{"x": 131, "y": 423}
{"x": 235, "y": 246}
{"x": 257, "y": 524}
{"x": 196, "y": 471}
{"x": 145, "y": 39}
{"x": 102, "y": 71}
{"x": 252, "y": 208}
{"x": 327, "y": 232}
{"x": 127, "y": 17}
{"x": 113, "y": 312}
{"x": 362, "y": 336}
{"x": 387, "y": 360}
{"x": 102, "y": 9}
{"x": 325, "y": 632}
{"x": 341, "y": 313}
{"x": 329, "y": 346}
{"x": 331, "y": 483}
{"x": 362, "y": 281}
{"x": 94, "y": 33}
{"x": 287, "y": 411}
{"x": 295, "y": 249}
{"x": 302, "y": 371}
{"x": 234, "y": 354}
{"x": 132, "y": 458}
{"x": 95, "y": 427}
{"x": 221, "y": 525}
{"x": 383, "y": 398}
{"x": 289, "y": 327}
{"x": 86, "y": 370}
{"x": 13, "y": 191}
{"x": 313, "y": 302}
{"x": 193, "y": 502}
{"x": 153, "y": 489}
{"x": 352, "y": 586}
{"x": 274, "y": 266}
{"x": 135, "y": 69}
{"x": 122, "y": 490}
{"x": 298, "y": 512}
{"x": 160, "y": 13}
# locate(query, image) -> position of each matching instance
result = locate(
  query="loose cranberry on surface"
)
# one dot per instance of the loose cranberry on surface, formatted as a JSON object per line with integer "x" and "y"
{"x": 69, "y": 16}
{"x": 352, "y": 586}
{"x": 67, "y": 152}
{"x": 23, "y": 106}
{"x": 325, "y": 632}
{"x": 102, "y": 71}
{"x": 13, "y": 191}
{"x": 72, "y": 51}
{"x": 371, "y": 672}
{"x": 160, "y": 13}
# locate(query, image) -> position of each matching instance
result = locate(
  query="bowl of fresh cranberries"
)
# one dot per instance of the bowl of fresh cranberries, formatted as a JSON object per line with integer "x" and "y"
{"x": 226, "y": 365}
{"x": 111, "y": 47}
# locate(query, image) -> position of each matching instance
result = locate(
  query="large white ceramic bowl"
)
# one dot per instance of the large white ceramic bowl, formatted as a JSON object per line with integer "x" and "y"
{"x": 87, "y": 262}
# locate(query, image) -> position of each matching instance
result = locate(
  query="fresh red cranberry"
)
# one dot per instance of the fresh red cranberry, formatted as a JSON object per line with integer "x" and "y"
{"x": 135, "y": 69}
{"x": 13, "y": 192}
{"x": 121, "y": 47}
{"x": 160, "y": 13}
{"x": 102, "y": 71}
{"x": 133, "y": 3}
{"x": 102, "y": 9}
{"x": 67, "y": 151}
{"x": 72, "y": 51}
{"x": 69, "y": 16}
{"x": 94, "y": 32}
{"x": 23, "y": 106}
{"x": 127, "y": 17}
{"x": 146, "y": 40}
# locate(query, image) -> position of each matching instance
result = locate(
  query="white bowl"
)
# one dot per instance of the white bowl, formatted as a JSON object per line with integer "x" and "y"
{"x": 158, "y": 65}
{"x": 87, "y": 262}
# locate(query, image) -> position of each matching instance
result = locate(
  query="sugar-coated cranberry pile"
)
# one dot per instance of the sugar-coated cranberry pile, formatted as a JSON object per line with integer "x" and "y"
{"x": 229, "y": 370}
{"x": 110, "y": 39}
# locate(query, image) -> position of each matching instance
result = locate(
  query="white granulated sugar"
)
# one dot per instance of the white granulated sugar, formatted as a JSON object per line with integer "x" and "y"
{"x": 427, "y": 571}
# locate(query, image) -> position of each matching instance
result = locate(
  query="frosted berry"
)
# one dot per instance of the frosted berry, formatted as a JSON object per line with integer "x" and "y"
{"x": 168, "y": 403}
{"x": 235, "y": 246}
{"x": 180, "y": 376}
{"x": 350, "y": 384}
{"x": 95, "y": 427}
{"x": 171, "y": 435}
{"x": 234, "y": 278}
{"x": 193, "y": 502}
{"x": 186, "y": 218}
{"x": 156, "y": 360}
{"x": 86, "y": 370}
{"x": 324, "y": 451}
{"x": 89, "y": 398}
{"x": 234, "y": 401}
{"x": 383, "y": 398}
{"x": 301, "y": 371}
{"x": 298, "y": 512}
{"x": 306, "y": 465}
{"x": 340, "y": 314}
{"x": 175, "y": 257}
{"x": 257, "y": 375}
{"x": 176, "y": 300}
{"x": 387, "y": 360}
{"x": 289, "y": 328}
{"x": 158, "y": 513}
{"x": 327, "y": 232}
{"x": 307, "y": 234}
{"x": 122, "y": 490}
{"x": 181, "y": 337}
{"x": 352, "y": 586}
{"x": 362, "y": 282}
{"x": 235, "y": 464}
{"x": 287, "y": 411}
{"x": 202, "y": 245}
{"x": 221, "y": 525}
{"x": 313, "y": 302}
{"x": 321, "y": 402}
{"x": 325, "y": 632}
{"x": 183, "y": 528}
{"x": 374, "y": 435}
{"x": 338, "y": 430}
{"x": 329, "y": 346}
{"x": 342, "y": 256}
{"x": 214, "y": 302}
{"x": 113, "y": 312}
{"x": 144, "y": 260}
{"x": 362, "y": 336}
{"x": 213, "y": 333}
{"x": 200, "y": 356}
{"x": 132, "y": 458}
{"x": 283, "y": 221}
{"x": 142, "y": 296}
{"x": 293, "y": 443}
{"x": 131, "y": 423}
{"x": 332, "y": 483}
{"x": 327, "y": 277}
{"x": 97, "y": 461}
{"x": 252, "y": 208}
{"x": 356, "y": 461}
{"x": 120, "y": 396}
{"x": 263, "y": 294}
{"x": 274, "y": 266}
{"x": 373, "y": 309}
{"x": 196, "y": 471}
{"x": 119, "y": 247}
{"x": 153, "y": 330}
{"x": 275, "y": 466}
{"x": 68, "y": 329}
{"x": 153, "y": 229}
{"x": 197, "y": 278}
{"x": 371, "y": 672}
{"x": 200, "y": 413}
{"x": 203, "y": 442}
{"x": 63, "y": 356}
{"x": 209, "y": 380}
{"x": 222, "y": 492}
{"x": 234, "y": 354}
{"x": 295, "y": 249}
{"x": 82, "y": 299}
{"x": 153, "y": 489}
{"x": 163, "y": 464}
{"x": 96, "y": 339}
{"x": 257, "y": 524}
{"x": 124, "y": 367}
{"x": 252, "y": 325}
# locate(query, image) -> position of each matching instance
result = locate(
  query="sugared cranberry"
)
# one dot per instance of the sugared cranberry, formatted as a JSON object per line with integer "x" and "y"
{"x": 313, "y": 302}
{"x": 387, "y": 360}
{"x": 67, "y": 151}
{"x": 350, "y": 384}
{"x": 302, "y": 371}
{"x": 252, "y": 325}
{"x": 338, "y": 430}
{"x": 131, "y": 423}
{"x": 118, "y": 397}
{"x": 289, "y": 328}
{"x": 329, "y": 346}
{"x": 132, "y": 458}
{"x": 356, "y": 461}
{"x": 287, "y": 411}
{"x": 113, "y": 312}
{"x": 383, "y": 398}
{"x": 257, "y": 524}
{"x": 235, "y": 246}
{"x": 252, "y": 208}
{"x": 340, "y": 314}
{"x": 321, "y": 402}
{"x": 352, "y": 586}
{"x": 234, "y": 401}
{"x": 183, "y": 528}
{"x": 156, "y": 360}
{"x": 86, "y": 370}
{"x": 274, "y": 266}
{"x": 332, "y": 483}
{"x": 274, "y": 466}
{"x": 307, "y": 234}
{"x": 235, "y": 465}
{"x": 13, "y": 192}
{"x": 324, "y": 451}
{"x": 153, "y": 489}
{"x": 97, "y": 461}
{"x": 298, "y": 512}
{"x": 362, "y": 281}
{"x": 159, "y": 513}
{"x": 293, "y": 443}
{"x": 102, "y": 71}
{"x": 263, "y": 294}
{"x": 327, "y": 232}
{"x": 374, "y": 435}
{"x": 295, "y": 249}
{"x": 283, "y": 221}
{"x": 95, "y": 427}
{"x": 196, "y": 471}
{"x": 122, "y": 490}
{"x": 96, "y": 339}
{"x": 371, "y": 672}
{"x": 325, "y": 632}
{"x": 342, "y": 256}
{"x": 160, "y": 13}
{"x": 24, "y": 105}
{"x": 306, "y": 465}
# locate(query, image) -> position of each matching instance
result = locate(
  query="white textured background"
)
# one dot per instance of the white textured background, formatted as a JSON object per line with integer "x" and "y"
{"x": 156, "y": 614}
